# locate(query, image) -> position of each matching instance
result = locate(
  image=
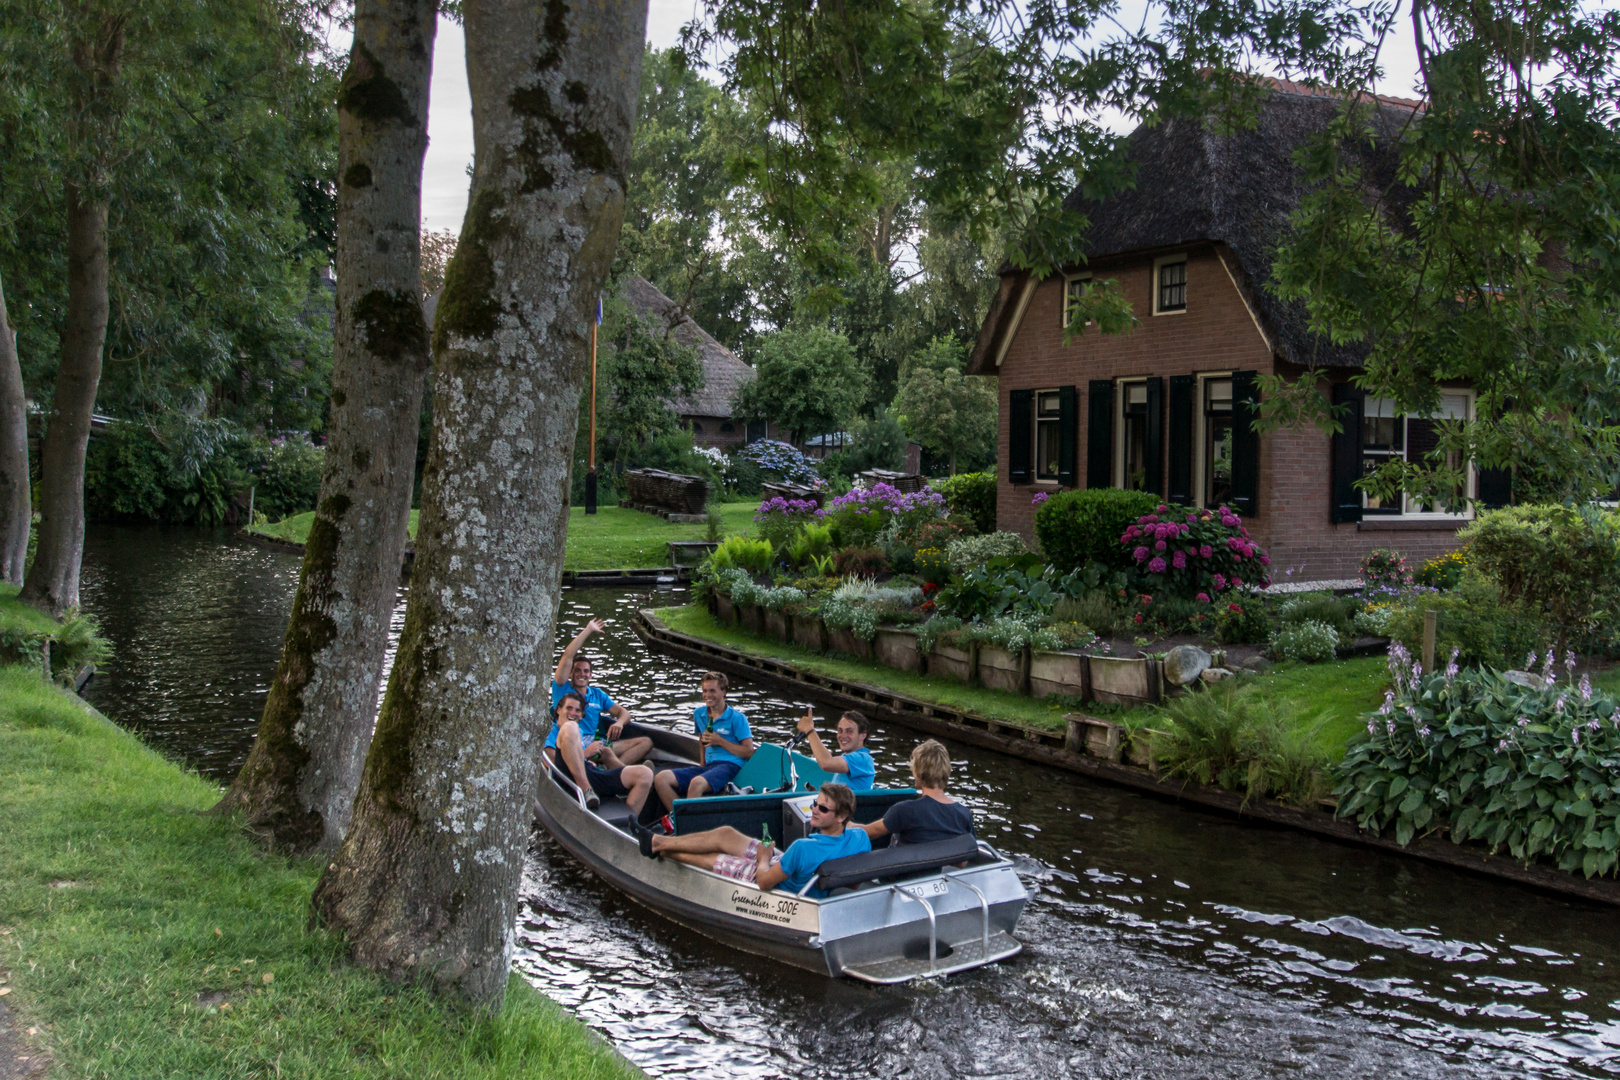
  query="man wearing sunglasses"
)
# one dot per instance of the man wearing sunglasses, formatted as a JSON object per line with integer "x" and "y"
{"x": 735, "y": 855}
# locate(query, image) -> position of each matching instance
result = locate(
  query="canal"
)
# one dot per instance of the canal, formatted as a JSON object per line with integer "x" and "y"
{"x": 1160, "y": 942}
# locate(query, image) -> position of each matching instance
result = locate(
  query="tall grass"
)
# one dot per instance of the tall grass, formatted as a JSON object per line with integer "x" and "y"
{"x": 1240, "y": 743}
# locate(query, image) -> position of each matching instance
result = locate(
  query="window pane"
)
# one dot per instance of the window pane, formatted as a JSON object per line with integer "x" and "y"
{"x": 1136, "y": 394}
{"x": 1172, "y": 286}
{"x": 1217, "y": 395}
{"x": 1217, "y": 448}
{"x": 1046, "y": 449}
{"x": 1048, "y": 405}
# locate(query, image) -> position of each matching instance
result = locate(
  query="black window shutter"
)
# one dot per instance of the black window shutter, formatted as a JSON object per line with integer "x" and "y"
{"x": 1020, "y": 408}
{"x": 1182, "y": 390}
{"x": 1153, "y": 460}
{"x": 1245, "y": 444}
{"x": 1068, "y": 434}
{"x": 1100, "y": 434}
{"x": 1349, "y": 403}
{"x": 1495, "y": 488}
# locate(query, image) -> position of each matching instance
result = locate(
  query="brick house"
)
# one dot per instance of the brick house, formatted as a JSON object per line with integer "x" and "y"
{"x": 1167, "y": 407}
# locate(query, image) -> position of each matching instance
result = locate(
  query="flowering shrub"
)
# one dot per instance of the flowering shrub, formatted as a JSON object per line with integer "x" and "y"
{"x": 932, "y": 565}
{"x": 1191, "y": 552}
{"x": 1311, "y": 641}
{"x": 783, "y": 460}
{"x": 1384, "y": 568}
{"x": 1533, "y": 769}
{"x": 779, "y": 519}
{"x": 970, "y": 551}
{"x": 1242, "y": 622}
{"x": 860, "y": 515}
{"x": 1443, "y": 571}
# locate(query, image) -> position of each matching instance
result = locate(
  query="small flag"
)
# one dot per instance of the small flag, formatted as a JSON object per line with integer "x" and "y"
{"x": 598, "y": 309}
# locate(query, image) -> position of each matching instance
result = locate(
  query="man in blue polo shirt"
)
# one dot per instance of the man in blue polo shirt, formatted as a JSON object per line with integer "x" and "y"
{"x": 727, "y": 744}
{"x": 853, "y": 764}
{"x": 579, "y": 742}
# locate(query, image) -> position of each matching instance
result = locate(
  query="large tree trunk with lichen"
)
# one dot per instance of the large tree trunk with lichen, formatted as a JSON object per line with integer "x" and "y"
{"x": 296, "y": 788}
{"x": 52, "y": 584}
{"x": 16, "y": 508}
{"x": 425, "y": 886}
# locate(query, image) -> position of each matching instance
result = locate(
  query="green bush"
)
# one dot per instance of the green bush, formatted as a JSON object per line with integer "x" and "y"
{"x": 1443, "y": 571}
{"x": 861, "y": 562}
{"x": 966, "y": 552}
{"x": 1473, "y": 620}
{"x": 1236, "y": 741}
{"x": 1242, "y": 622}
{"x": 1310, "y": 641}
{"x": 972, "y": 495}
{"x": 813, "y": 541}
{"x": 1081, "y": 527}
{"x": 741, "y": 553}
{"x": 1338, "y": 612}
{"x": 1526, "y": 768}
{"x": 1099, "y": 610}
{"x": 1556, "y": 563}
{"x": 285, "y": 475}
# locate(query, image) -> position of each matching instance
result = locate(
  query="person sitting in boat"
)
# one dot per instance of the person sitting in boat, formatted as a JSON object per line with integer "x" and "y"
{"x": 852, "y": 766}
{"x": 727, "y": 744}
{"x": 735, "y": 855}
{"x": 580, "y": 740}
{"x": 629, "y": 782}
{"x": 932, "y": 815}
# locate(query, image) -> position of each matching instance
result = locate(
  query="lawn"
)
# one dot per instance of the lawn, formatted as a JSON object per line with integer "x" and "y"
{"x": 1339, "y": 695}
{"x": 147, "y": 939}
{"x": 612, "y": 538}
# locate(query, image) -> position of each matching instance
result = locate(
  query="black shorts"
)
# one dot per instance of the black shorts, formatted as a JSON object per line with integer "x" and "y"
{"x": 606, "y": 782}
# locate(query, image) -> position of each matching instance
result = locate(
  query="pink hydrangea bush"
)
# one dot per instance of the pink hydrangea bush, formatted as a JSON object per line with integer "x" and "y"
{"x": 1196, "y": 554}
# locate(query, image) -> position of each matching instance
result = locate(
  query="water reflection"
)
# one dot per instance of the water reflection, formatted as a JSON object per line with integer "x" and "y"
{"x": 1161, "y": 942}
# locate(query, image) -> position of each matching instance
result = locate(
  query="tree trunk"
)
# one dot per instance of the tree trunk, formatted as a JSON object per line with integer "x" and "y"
{"x": 425, "y": 886}
{"x": 297, "y": 785}
{"x": 16, "y": 508}
{"x": 52, "y": 584}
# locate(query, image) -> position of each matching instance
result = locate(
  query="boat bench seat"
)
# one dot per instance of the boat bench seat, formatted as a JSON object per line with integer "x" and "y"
{"x": 896, "y": 862}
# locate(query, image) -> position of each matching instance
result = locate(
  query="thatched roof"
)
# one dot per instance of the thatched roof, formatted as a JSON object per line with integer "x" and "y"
{"x": 723, "y": 373}
{"x": 1195, "y": 185}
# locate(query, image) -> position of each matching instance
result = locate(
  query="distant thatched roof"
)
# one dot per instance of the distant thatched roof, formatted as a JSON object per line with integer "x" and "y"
{"x": 723, "y": 373}
{"x": 1194, "y": 185}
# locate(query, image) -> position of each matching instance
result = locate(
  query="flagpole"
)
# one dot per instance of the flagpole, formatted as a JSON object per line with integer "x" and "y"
{"x": 590, "y": 470}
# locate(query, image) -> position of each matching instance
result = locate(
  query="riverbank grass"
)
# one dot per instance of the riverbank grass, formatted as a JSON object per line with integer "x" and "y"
{"x": 146, "y": 939}
{"x": 613, "y": 538}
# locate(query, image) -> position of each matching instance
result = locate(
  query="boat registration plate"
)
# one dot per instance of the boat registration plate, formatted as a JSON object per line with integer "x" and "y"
{"x": 927, "y": 888}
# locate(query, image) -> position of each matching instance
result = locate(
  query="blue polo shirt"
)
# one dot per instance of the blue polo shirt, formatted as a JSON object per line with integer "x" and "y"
{"x": 596, "y": 703}
{"x": 804, "y": 856}
{"x": 861, "y": 771}
{"x": 731, "y": 724}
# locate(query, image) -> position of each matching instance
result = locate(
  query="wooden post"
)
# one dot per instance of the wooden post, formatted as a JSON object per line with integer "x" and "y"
{"x": 1429, "y": 618}
{"x": 590, "y": 452}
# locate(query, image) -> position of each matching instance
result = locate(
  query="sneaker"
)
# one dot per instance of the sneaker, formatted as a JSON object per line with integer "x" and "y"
{"x": 643, "y": 837}
{"x": 592, "y": 800}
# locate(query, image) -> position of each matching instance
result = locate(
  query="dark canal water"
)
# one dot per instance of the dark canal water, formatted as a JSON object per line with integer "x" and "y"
{"x": 1160, "y": 943}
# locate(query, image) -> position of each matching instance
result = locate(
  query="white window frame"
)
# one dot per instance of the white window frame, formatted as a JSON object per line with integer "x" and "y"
{"x": 1200, "y": 465}
{"x": 1068, "y": 302}
{"x": 1121, "y": 392}
{"x": 1406, "y": 513}
{"x": 1158, "y": 267}
{"x": 1035, "y": 422}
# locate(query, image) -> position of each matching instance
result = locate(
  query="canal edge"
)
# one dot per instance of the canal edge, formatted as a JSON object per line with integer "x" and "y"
{"x": 1047, "y": 748}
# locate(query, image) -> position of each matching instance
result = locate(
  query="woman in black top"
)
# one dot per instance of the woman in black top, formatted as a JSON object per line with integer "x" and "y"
{"x": 933, "y": 815}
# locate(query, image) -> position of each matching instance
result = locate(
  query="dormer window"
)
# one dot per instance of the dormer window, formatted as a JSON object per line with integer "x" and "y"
{"x": 1170, "y": 285}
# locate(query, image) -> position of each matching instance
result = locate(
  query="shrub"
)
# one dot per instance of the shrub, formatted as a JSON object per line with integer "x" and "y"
{"x": 1005, "y": 586}
{"x": 1076, "y": 528}
{"x": 1383, "y": 568}
{"x": 1530, "y": 769}
{"x": 813, "y": 543}
{"x": 1338, "y": 612}
{"x": 861, "y": 516}
{"x": 743, "y": 553}
{"x": 1062, "y": 635}
{"x": 1310, "y": 641}
{"x": 1443, "y": 571}
{"x": 781, "y": 596}
{"x": 1242, "y": 622}
{"x": 74, "y": 642}
{"x": 1167, "y": 616}
{"x": 973, "y": 495}
{"x": 1473, "y": 620}
{"x": 967, "y": 552}
{"x": 865, "y": 562}
{"x": 930, "y": 632}
{"x": 1374, "y": 622}
{"x": 286, "y": 475}
{"x": 1098, "y": 609}
{"x": 782, "y": 460}
{"x": 1237, "y": 742}
{"x": 858, "y": 618}
{"x": 1556, "y": 562}
{"x": 932, "y": 566}
{"x": 778, "y": 520}
{"x": 1188, "y": 554}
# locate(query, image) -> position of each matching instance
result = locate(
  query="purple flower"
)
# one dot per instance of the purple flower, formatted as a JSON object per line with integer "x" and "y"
{"x": 1206, "y": 552}
{"x": 1220, "y": 582}
{"x": 1586, "y": 688}
{"x": 1501, "y": 747}
{"x": 1140, "y": 553}
{"x": 1157, "y": 565}
{"x": 1229, "y": 521}
{"x": 1203, "y": 598}
{"x": 1158, "y": 545}
{"x": 1530, "y": 661}
{"x": 1040, "y": 497}
{"x": 1424, "y": 731}
{"x": 1265, "y": 560}
{"x": 1179, "y": 561}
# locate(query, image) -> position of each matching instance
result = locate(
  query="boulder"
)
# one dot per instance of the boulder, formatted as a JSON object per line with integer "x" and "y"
{"x": 1184, "y": 664}
{"x": 1257, "y": 664}
{"x": 1215, "y": 674}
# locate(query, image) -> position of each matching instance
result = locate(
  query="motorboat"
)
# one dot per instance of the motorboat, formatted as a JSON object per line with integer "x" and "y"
{"x": 897, "y": 913}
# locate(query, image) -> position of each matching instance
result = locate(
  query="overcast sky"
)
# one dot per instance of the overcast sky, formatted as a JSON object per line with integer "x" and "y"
{"x": 450, "y": 140}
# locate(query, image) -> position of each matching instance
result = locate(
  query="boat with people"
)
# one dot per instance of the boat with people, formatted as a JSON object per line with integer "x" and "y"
{"x": 885, "y": 915}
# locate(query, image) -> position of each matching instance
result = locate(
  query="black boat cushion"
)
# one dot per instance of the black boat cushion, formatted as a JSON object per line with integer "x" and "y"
{"x": 896, "y": 862}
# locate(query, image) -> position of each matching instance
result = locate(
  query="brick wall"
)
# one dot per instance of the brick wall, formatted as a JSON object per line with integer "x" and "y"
{"x": 1215, "y": 333}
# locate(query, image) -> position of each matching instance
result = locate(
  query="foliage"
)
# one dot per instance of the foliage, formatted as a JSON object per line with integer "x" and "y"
{"x": 931, "y": 632}
{"x": 1010, "y": 632}
{"x": 812, "y": 545}
{"x": 1098, "y": 609}
{"x": 781, "y": 597}
{"x": 1021, "y": 585}
{"x": 1202, "y": 556}
{"x": 1472, "y": 619}
{"x": 1311, "y": 641}
{"x": 24, "y": 632}
{"x": 861, "y": 515}
{"x": 781, "y": 460}
{"x": 971, "y": 495}
{"x": 1383, "y": 568}
{"x": 1556, "y": 563}
{"x": 641, "y": 368}
{"x": 740, "y": 552}
{"x": 1062, "y": 635}
{"x": 879, "y": 442}
{"x": 780, "y": 519}
{"x": 1242, "y": 622}
{"x": 1338, "y": 612}
{"x": 1080, "y": 527}
{"x": 1374, "y": 622}
{"x": 1443, "y": 571}
{"x": 949, "y": 413}
{"x": 859, "y": 619}
{"x": 1531, "y": 769}
{"x": 285, "y": 474}
{"x": 806, "y": 381}
{"x": 932, "y": 564}
{"x": 1239, "y": 743}
{"x": 969, "y": 551}
{"x": 865, "y": 562}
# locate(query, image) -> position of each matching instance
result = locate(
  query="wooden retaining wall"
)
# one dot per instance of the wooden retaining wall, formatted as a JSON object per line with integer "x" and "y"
{"x": 1065, "y": 750}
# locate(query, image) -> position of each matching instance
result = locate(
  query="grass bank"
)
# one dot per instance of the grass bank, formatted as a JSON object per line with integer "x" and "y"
{"x": 612, "y": 538}
{"x": 1328, "y": 699}
{"x": 145, "y": 939}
